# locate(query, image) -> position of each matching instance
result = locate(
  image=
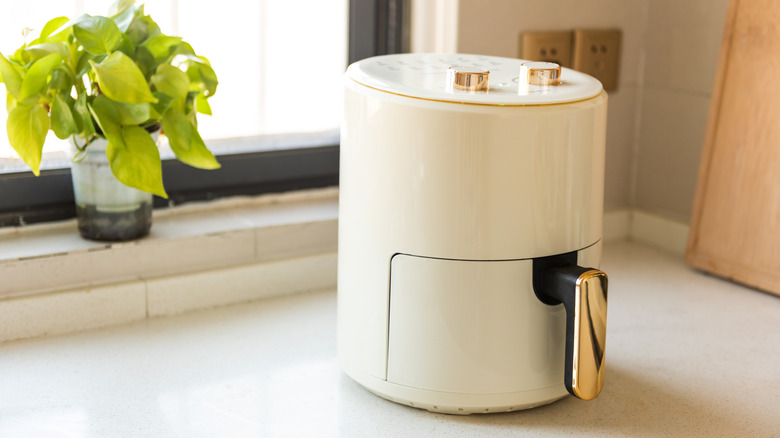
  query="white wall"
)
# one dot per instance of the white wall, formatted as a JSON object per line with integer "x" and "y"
{"x": 657, "y": 117}
{"x": 682, "y": 45}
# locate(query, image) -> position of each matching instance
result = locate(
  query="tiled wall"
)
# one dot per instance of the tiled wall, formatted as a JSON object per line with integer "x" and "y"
{"x": 682, "y": 45}
{"x": 657, "y": 117}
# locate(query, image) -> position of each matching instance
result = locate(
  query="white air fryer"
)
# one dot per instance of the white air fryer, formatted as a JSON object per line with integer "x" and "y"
{"x": 470, "y": 226}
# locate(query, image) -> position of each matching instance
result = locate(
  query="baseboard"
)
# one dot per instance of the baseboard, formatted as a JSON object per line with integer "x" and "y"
{"x": 167, "y": 296}
{"x": 646, "y": 228}
{"x": 617, "y": 225}
{"x": 659, "y": 232}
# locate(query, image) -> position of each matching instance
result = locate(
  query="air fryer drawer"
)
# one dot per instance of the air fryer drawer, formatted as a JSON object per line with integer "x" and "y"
{"x": 471, "y": 326}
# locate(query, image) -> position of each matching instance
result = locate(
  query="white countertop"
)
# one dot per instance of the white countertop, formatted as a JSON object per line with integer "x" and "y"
{"x": 687, "y": 355}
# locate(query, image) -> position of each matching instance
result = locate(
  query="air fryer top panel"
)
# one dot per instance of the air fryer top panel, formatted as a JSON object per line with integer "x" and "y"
{"x": 425, "y": 76}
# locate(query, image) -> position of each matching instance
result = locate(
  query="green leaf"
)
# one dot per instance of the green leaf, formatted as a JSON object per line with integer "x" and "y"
{"x": 163, "y": 103}
{"x": 199, "y": 155}
{"x": 125, "y": 18}
{"x": 137, "y": 164}
{"x": 156, "y": 50}
{"x": 27, "y": 126}
{"x": 64, "y": 31}
{"x": 98, "y": 35}
{"x": 121, "y": 6}
{"x": 202, "y": 77}
{"x": 35, "y": 79}
{"x": 192, "y": 116}
{"x": 185, "y": 141}
{"x": 187, "y": 51}
{"x": 132, "y": 113}
{"x": 202, "y": 104}
{"x": 126, "y": 46}
{"x": 177, "y": 128}
{"x": 62, "y": 121}
{"x": 171, "y": 81}
{"x": 38, "y": 51}
{"x": 107, "y": 117}
{"x": 50, "y": 28}
{"x": 61, "y": 79}
{"x": 83, "y": 65}
{"x": 161, "y": 47}
{"x": 121, "y": 80}
{"x": 11, "y": 77}
{"x": 83, "y": 117}
{"x": 141, "y": 28}
{"x": 20, "y": 57}
{"x": 145, "y": 62}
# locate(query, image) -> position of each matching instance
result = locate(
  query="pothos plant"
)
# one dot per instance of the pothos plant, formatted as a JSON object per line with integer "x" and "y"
{"x": 117, "y": 77}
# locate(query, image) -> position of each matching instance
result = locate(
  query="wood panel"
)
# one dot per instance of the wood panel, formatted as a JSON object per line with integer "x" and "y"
{"x": 735, "y": 229}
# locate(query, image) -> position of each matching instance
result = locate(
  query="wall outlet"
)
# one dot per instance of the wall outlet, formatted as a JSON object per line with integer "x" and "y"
{"x": 597, "y": 53}
{"x": 547, "y": 46}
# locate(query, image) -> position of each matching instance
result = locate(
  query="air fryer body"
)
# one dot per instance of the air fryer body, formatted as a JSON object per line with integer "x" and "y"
{"x": 444, "y": 206}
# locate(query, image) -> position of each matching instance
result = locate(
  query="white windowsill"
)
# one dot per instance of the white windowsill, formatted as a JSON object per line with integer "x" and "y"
{"x": 197, "y": 256}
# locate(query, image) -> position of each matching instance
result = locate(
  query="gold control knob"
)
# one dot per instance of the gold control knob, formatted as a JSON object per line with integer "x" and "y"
{"x": 467, "y": 78}
{"x": 540, "y": 73}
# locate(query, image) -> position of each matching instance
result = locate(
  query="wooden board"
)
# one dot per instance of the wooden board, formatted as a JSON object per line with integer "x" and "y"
{"x": 735, "y": 228}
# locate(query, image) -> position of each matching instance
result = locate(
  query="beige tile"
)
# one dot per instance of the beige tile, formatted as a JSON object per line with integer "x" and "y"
{"x": 121, "y": 262}
{"x": 63, "y": 312}
{"x": 296, "y": 240}
{"x": 683, "y": 43}
{"x": 306, "y": 210}
{"x": 671, "y": 136}
{"x": 51, "y": 238}
{"x": 177, "y": 294}
{"x": 205, "y": 251}
{"x": 171, "y": 226}
{"x": 621, "y": 121}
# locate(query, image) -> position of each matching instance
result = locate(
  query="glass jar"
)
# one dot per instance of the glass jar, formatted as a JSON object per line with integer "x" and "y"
{"x": 106, "y": 209}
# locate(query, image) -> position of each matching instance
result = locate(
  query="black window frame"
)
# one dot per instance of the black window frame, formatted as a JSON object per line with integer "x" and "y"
{"x": 376, "y": 27}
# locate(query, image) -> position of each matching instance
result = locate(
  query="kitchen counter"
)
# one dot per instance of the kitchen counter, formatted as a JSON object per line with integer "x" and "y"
{"x": 687, "y": 355}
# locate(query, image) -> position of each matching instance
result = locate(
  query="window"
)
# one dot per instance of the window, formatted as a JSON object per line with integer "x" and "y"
{"x": 276, "y": 111}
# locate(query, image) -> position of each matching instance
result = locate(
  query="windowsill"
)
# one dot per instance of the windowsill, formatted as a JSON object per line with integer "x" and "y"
{"x": 196, "y": 256}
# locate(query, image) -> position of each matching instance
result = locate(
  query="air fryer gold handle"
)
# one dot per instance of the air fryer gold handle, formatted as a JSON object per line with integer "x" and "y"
{"x": 583, "y": 292}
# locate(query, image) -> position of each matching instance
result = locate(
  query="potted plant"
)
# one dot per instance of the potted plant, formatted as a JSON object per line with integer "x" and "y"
{"x": 110, "y": 84}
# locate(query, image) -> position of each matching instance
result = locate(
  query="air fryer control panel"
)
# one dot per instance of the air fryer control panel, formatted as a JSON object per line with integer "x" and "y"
{"x": 425, "y": 76}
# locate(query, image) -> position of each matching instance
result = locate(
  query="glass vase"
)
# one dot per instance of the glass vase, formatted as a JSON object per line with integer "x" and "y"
{"x": 106, "y": 209}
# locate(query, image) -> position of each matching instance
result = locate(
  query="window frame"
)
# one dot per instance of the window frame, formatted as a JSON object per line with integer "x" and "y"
{"x": 376, "y": 27}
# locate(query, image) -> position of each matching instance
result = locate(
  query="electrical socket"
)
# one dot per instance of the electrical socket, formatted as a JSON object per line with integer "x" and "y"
{"x": 547, "y": 46}
{"x": 597, "y": 53}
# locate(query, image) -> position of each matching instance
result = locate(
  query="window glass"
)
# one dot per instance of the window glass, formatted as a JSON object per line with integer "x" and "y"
{"x": 279, "y": 64}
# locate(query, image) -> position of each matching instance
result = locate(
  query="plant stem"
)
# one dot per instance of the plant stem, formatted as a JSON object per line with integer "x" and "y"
{"x": 73, "y": 61}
